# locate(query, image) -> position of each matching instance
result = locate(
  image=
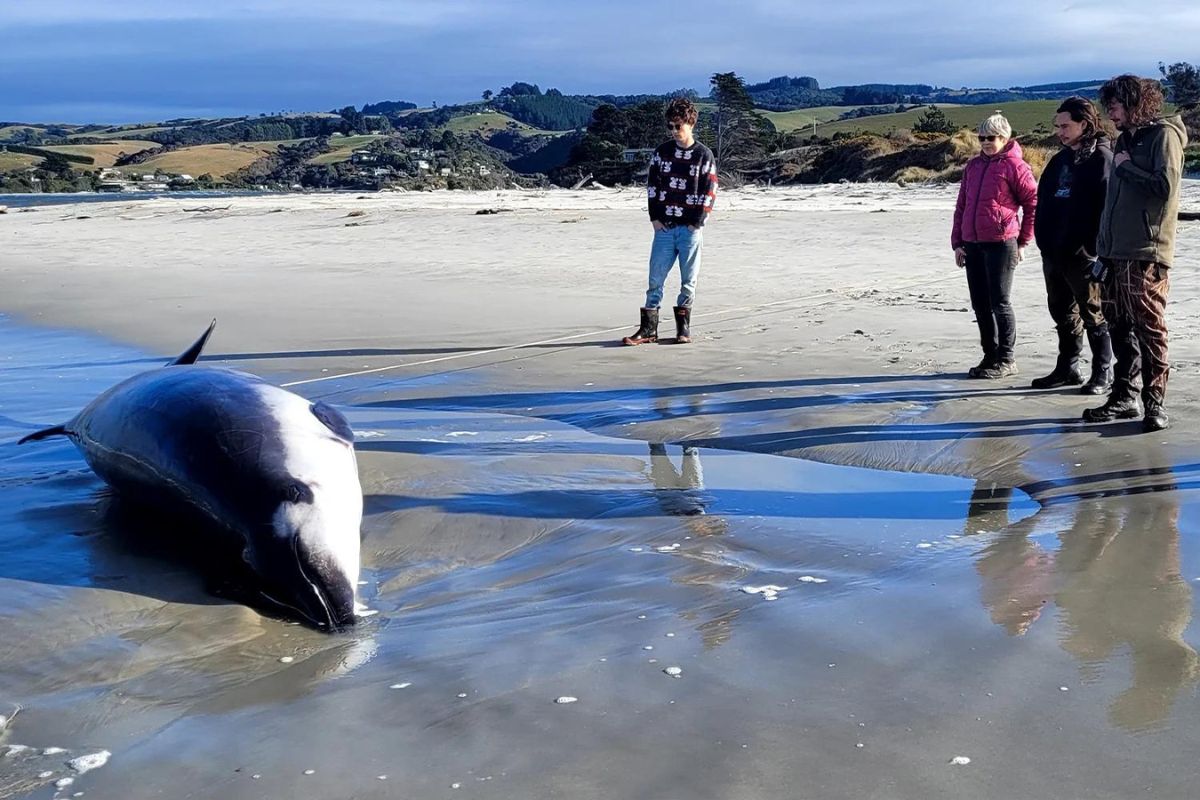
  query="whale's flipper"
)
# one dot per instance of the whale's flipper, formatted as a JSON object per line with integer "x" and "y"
{"x": 45, "y": 433}
{"x": 190, "y": 355}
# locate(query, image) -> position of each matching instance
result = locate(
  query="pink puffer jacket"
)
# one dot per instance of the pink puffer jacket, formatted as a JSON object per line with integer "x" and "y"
{"x": 993, "y": 189}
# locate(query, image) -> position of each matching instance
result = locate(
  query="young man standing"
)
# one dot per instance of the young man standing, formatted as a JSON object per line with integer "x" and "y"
{"x": 1070, "y": 201}
{"x": 1137, "y": 245}
{"x": 680, "y": 188}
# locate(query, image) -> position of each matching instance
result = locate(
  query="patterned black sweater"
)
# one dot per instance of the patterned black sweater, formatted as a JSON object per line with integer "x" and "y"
{"x": 682, "y": 184}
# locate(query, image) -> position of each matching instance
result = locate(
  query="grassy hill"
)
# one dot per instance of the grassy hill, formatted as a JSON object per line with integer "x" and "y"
{"x": 785, "y": 121}
{"x": 10, "y": 132}
{"x": 343, "y": 147}
{"x": 484, "y": 122}
{"x": 217, "y": 160}
{"x": 1023, "y": 115}
{"x": 103, "y": 155}
{"x": 122, "y": 131}
{"x": 10, "y": 162}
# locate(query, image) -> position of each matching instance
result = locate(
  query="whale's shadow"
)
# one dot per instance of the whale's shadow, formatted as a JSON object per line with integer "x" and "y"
{"x": 106, "y": 540}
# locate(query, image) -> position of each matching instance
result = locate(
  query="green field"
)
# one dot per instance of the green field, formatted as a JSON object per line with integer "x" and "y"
{"x": 11, "y": 162}
{"x": 785, "y": 121}
{"x": 484, "y": 122}
{"x": 343, "y": 147}
{"x": 1023, "y": 116}
{"x": 103, "y": 155}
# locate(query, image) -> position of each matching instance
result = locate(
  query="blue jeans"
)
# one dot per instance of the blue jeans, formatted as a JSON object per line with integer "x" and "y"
{"x": 669, "y": 244}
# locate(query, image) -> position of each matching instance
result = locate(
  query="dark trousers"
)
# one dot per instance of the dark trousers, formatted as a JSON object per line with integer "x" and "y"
{"x": 1073, "y": 300}
{"x": 990, "y": 267}
{"x": 1135, "y": 304}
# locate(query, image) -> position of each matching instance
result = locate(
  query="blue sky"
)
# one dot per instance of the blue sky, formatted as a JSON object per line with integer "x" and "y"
{"x": 139, "y": 60}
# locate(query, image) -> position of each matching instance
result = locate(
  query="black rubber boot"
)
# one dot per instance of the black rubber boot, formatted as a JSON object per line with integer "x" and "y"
{"x": 683, "y": 320}
{"x": 1123, "y": 403}
{"x": 1066, "y": 370}
{"x": 647, "y": 331}
{"x": 1156, "y": 416}
{"x": 1102, "y": 362}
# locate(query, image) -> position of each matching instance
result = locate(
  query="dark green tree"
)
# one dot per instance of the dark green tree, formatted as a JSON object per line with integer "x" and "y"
{"x": 487, "y": 95}
{"x": 933, "y": 120}
{"x": 57, "y": 165}
{"x": 1182, "y": 82}
{"x": 734, "y": 130}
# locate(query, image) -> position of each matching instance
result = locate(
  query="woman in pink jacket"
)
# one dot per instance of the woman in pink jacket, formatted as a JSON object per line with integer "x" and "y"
{"x": 993, "y": 223}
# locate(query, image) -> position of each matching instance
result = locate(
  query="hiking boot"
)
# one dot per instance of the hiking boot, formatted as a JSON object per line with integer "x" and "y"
{"x": 1121, "y": 404}
{"x": 647, "y": 331}
{"x": 1156, "y": 417}
{"x": 1102, "y": 362}
{"x": 683, "y": 320}
{"x": 987, "y": 363}
{"x": 999, "y": 369}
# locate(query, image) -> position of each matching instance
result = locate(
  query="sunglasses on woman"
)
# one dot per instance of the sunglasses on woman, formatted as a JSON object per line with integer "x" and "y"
{"x": 983, "y": 138}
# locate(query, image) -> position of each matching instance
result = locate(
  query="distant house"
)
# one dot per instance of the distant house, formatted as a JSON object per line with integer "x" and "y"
{"x": 380, "y": 172}
{"x": 444, "y": 171}
{"x": 484, "y": 171}
{"x": 633, "y": 155}
{"x": 423, "y": 165}
{"x": 363, "y": 157}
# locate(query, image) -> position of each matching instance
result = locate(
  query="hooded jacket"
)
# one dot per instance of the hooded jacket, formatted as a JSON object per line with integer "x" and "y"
{"x": 1141, "y": 207}
{"x": 1071, "y": 199}
{"x": 992, "y": 191}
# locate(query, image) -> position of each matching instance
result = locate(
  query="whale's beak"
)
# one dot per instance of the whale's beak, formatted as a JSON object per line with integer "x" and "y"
{"x": 323, "y": 593}
{"x": 311, "y": 588}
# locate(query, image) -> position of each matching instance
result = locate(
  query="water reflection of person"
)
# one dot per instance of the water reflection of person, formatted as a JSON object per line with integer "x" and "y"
{"x": 1119, "y": 572}
{"x": 1016, "y": 573}
{"x": 680, "y": 492}
{"x": 1117, "y": 582}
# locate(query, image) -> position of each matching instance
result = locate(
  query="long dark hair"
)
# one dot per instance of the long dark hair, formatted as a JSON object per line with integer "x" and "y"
{"x": 1082, "y": 110}
{"x": 1142, "y": 98}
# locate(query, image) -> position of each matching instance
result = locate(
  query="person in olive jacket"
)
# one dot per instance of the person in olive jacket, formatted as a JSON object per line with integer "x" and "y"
{"x": 1137, "y": 246}
{"x": 1070, "y": 202}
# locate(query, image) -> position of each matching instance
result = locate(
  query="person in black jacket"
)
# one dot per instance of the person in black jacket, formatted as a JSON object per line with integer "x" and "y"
{"x": 1070, "y": 202}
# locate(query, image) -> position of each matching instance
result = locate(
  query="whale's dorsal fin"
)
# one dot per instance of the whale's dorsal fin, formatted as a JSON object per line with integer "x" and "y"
{"x": 190, "y": 355}
{"x": 45, "y": 433}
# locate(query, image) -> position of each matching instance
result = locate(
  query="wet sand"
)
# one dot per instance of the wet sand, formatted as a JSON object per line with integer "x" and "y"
{"x": 862, "y": 564}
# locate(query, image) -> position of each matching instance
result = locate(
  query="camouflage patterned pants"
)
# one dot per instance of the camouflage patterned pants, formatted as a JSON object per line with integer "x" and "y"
{"x": 1135, "y": 305}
